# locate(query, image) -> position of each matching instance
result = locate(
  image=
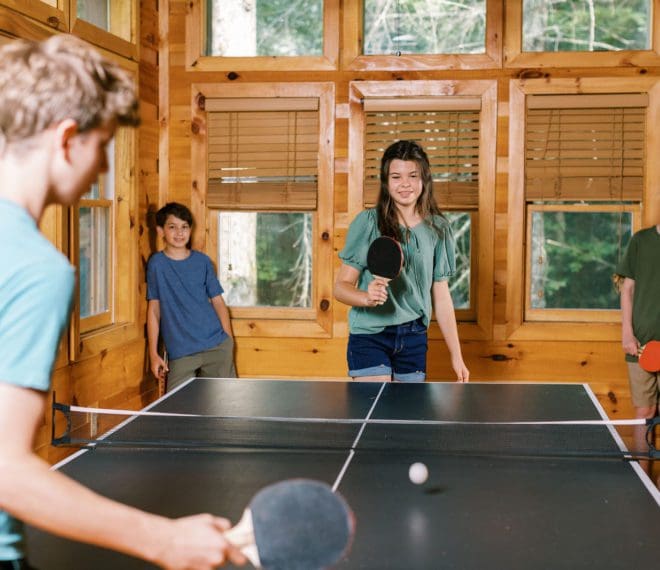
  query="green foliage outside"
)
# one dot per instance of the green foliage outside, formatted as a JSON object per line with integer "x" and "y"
{"x": 295, "y": 27}
{"x": 459, "y": 284}
{"x": 289, "y": 28}
{"x": 574, "y": 256}
{"x": 424, "y": 26}
{"x": 586, "y": 25}
{"x": 284, "y": 260}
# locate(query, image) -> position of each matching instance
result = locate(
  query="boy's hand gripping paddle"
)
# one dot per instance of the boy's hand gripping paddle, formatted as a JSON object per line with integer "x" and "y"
{"x": 385, "y": 258}
{"x": 298, "y": 524}
{"x": 649, "y": 357}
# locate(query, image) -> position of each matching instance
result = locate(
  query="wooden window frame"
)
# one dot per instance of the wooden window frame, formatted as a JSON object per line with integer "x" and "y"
{"x": 515, "y": 57}
{"x": 125, "y": 45}
{"x": 465, "y": 316}
{"x": 54, "y": 17}
{"x": 572, "y": 315}
{"x": 517, "y": 328}
{"x": 315, "y": 322}
{"x": 62, "y": 18}
{"x": 104, "y": 319}
{"x": 484, "y": 220}
{"x": 195, "y": 60}
{"x": 354, "y": 60}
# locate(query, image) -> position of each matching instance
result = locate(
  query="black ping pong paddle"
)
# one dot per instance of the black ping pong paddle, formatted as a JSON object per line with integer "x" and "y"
{"x": 297, "y": 524}
{"x": 649, "y": 357}
{"x": 385, "y": 258}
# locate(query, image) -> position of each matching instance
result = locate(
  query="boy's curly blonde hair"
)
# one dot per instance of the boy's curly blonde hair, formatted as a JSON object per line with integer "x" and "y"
{"x": 44, "y": 83}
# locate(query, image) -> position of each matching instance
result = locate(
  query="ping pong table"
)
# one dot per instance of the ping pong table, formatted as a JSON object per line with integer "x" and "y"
{"x": 475, "y": 511}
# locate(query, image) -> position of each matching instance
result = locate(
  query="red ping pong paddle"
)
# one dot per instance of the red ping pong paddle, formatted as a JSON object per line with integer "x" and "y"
{"x": 649, "y": 357}
{"x": 298, "y": 524}
{"x": 385, "y": 258}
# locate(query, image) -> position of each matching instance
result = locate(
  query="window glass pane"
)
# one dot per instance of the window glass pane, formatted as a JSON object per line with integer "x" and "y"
{"x": 94, "y": 260}
{"x": 236, "y": 28}
{"x": 596, "y": 25}
{"x": 424, "y": 27}
{"x": 95, "y": 12}
{"x": 459, "y": 284}
{"x": 94, "y": 192}
{"x": 574, "y": 256}
{"x": 265, "y": 259}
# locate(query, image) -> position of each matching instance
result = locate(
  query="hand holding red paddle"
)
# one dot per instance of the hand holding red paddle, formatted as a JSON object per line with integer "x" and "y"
{"x": 649, "y": 356}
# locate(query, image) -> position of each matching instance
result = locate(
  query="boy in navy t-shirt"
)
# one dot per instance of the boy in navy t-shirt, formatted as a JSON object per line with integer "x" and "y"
{"x": 186, "y": 307}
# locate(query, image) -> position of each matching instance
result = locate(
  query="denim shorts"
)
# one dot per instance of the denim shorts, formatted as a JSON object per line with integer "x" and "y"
{"x": 398, "y": 351}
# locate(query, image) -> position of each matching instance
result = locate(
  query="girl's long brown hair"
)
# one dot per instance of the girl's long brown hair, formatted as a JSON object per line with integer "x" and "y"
{"x": 426, "y": 207}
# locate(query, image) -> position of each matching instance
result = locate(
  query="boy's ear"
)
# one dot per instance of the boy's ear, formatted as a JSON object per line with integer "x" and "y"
{"x": 64, "y": 132}
{"x": 160, "y": 231}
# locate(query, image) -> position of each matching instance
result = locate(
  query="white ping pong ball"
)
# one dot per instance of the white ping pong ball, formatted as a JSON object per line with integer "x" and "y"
{"x": 418, "y": 473}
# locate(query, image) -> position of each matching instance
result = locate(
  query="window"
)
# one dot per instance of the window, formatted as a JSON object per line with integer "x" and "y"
{"x": 265, "y": 258}
{"x": 104, "y": 248}
{"x": 265, "y": 158}
{"x": 451, "y": 141}
{"x": 580, "y": 197}
{"x": 54, "y": 13}
{"x": 572, "y": 255}
{"x": 577, "y": 34}
{"x": 111, "y": 24}
{"x": 424, "y": 27}
{"x": 597, "y": 25}
{"x": 268, "y": 205}
{"x": 452, "y": 129}
{"x": 234, "y": 35}
{"x": 95, "y": 217}
{"x": 264, "y": 28}
{"x": 422, "y": 34}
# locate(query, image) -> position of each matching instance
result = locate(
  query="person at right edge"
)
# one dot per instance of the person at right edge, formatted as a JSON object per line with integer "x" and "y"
{"x": 638, "y": 280}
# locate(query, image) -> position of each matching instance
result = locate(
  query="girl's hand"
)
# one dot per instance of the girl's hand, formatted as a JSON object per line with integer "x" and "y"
{"x": 376, "y": 292}
{"x": 462, "y": 373}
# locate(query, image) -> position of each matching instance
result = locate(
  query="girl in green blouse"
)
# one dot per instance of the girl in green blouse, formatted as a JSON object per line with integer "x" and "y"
{"x": 388, "y": 322}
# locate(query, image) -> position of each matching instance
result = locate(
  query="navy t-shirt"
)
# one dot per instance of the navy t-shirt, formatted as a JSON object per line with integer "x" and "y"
{"x": 184, "y": 287}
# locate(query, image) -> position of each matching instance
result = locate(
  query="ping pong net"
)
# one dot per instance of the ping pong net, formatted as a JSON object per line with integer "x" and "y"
{"x": 91, "y": 427}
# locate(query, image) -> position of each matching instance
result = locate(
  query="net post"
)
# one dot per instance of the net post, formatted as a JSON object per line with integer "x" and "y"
{"x": 64, "y": 439}
{"x": 651, "y": 424}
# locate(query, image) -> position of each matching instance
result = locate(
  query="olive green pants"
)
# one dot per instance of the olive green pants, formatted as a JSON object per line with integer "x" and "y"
{"x": 216, "y": 362}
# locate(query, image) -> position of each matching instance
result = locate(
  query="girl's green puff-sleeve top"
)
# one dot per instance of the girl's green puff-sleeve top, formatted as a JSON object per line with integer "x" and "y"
{"x": 429, "y": 256}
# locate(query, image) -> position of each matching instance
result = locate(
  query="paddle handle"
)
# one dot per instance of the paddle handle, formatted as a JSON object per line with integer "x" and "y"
{"x": 241, "y": 535}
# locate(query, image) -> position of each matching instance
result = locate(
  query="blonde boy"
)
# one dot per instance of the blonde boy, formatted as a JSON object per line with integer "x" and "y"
{"x": 60, "y": 103}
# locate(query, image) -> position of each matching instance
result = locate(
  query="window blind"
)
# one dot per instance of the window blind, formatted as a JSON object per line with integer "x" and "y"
{"x": 585, "y": 147}
{"x": 450, "y": 138}
{"x": 262, "y": 153}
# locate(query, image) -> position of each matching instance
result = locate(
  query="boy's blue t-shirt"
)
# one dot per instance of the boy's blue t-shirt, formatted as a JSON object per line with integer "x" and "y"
{"x": 184, "y": 287}
{"x": 36, "y": 290}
